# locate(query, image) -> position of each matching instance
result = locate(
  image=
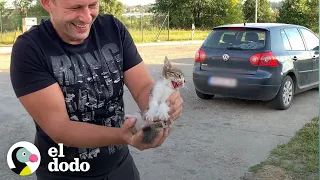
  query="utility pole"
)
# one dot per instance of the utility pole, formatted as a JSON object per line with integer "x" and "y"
{"x": 256, "y": 18}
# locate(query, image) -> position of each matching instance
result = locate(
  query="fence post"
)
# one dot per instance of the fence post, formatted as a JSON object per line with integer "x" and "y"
{"x": 141, "y": 18}
{"x": 168, "y": 26}
{"x": 193, "y": 30}
{"x": 163, "y": 23}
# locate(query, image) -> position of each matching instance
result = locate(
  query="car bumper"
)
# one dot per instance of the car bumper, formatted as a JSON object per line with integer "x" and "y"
{"x": 260, "y": 86}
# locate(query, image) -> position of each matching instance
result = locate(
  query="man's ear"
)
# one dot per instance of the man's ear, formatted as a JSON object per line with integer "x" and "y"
{"x": 47, "y": 4}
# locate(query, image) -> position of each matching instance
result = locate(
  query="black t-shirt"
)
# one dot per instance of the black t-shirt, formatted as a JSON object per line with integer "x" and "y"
{"x": 91, "y": 78}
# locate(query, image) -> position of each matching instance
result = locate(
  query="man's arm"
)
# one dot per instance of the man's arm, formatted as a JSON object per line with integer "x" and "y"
{"x": 42, "y": 97}
{"x": 47, "y": 108}
{"x": 140, "y": 84}
{"x": 136, "y": 75}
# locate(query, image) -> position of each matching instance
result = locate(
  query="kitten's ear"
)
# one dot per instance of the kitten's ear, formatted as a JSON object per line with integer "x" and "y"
{"x": 167, "y": 63}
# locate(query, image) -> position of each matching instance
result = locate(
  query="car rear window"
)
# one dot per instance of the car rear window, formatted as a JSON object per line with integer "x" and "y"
{"x": 237, "y": 39}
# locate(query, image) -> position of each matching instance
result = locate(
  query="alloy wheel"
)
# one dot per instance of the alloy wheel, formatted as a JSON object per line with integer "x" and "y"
{"x": 287, "y": 93}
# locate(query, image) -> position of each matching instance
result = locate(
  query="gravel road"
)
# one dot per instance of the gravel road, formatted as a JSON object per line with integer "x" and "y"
{"x": 216, "y": 139}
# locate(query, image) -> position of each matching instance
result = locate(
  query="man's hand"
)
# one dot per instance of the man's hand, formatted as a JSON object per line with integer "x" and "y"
{"x": 175, "y": 103}
{"x": 135, "y": 140}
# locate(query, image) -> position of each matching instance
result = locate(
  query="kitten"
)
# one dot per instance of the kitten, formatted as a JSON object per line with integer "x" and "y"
{"x": 157, "y": 116}
{"x": 172, "y": 79}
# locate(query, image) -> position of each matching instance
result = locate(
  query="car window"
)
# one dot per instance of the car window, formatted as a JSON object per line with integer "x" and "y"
{"x": 236, "y": 39}
{"x": 312, "y": 40}
{"x": 295, "y": 39}
{"x": 285, "y": 41}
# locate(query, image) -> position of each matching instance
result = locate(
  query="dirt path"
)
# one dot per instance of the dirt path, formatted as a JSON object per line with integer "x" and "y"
{"x": 216, "y": 139}
{"x": 4, "y": 62}
{"x": 155, "y": 54}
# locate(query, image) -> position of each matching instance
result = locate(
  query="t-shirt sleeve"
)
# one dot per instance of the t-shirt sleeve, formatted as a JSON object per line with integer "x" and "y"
{"x": 28, "y": 71}
{"x": 131, "y": 56}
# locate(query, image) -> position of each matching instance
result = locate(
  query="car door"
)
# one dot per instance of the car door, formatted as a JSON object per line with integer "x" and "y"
{"x": 301, "y": 57}
{"x": 312, "y": 44}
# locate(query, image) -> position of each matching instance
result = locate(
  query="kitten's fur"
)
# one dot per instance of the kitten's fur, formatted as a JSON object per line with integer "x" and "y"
{"x": 172, "y": 79}
{"x": 157, "y": 116}
{"x": 149, "y": 129}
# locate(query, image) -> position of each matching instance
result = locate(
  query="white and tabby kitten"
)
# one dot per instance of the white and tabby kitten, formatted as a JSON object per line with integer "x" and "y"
{"x": 171, "y": 80}
{"x": 157, "y": 116}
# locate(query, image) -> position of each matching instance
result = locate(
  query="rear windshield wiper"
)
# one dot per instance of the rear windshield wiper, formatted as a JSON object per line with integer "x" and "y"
{"x": 234, "y": 48}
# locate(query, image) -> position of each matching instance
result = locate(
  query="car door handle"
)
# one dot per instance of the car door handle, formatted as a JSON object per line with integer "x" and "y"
{"x": 295, "y": 58}
{"x": 315, "y": 57}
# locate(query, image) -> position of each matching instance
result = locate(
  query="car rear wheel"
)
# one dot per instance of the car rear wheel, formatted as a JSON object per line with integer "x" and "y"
{"x": 204, "y": 96}
{"x": 285, "y": 95}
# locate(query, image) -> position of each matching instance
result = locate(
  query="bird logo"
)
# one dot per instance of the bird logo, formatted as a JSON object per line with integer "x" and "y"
{"x": 23, "y": 158}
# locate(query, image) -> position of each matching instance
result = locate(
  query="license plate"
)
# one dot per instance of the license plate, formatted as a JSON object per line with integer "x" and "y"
{"x": 223, "y": 82}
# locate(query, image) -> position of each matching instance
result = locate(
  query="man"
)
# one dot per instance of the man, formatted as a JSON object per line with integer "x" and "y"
{"x": 68, "y": 72}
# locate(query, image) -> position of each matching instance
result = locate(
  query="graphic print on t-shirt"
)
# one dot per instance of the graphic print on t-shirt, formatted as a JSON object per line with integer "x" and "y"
{"x": 92, "y": 85}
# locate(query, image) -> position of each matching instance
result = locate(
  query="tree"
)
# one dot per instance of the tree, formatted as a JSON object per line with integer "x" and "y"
{"x": 300, "y": 12}
{"x": 313, "y": 15}
{"x": 228, "y": 12}
{"x": 2, "y": 10}
{"x": 113, "y": 7}
{"x": 203, "y": 13}
{"x": 265, "y": 13}
{"x": 182, "y": 12}
{"x": 38, "y": 11}
{"x": 22, "y": 6}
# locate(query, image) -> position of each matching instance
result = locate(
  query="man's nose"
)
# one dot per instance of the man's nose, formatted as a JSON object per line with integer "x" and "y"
{"x": 86, "y": 15}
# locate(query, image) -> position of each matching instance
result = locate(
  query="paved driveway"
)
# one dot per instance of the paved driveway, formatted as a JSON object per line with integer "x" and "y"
{"x": 215, "y": 139}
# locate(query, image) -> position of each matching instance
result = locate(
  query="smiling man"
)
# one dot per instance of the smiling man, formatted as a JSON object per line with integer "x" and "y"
{"x": 68, "y": 73}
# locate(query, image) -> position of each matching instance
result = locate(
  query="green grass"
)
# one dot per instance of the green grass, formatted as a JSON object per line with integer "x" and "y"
{"x": 8, "y": 38}
{"x": 148, "y": 36}
{"x": 174, "y": 35}
{"x": 299, "y": 156}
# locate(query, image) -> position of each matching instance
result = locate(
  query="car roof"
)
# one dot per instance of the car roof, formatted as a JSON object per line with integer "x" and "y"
{"x": 260, "y": 25}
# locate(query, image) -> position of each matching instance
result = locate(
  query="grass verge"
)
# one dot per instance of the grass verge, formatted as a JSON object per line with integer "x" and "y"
{"x": 295, "y": 160}
{"x": 174, "y": 35}
{"x": 138, "y": 36}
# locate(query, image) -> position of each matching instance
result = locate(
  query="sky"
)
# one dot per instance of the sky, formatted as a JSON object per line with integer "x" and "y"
{"x": 143, "y": 2}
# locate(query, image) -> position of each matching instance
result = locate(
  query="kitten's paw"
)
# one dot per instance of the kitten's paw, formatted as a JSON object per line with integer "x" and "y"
{"x": 152, "y": 111}
{"x": 163, "y": 111}
{"x": 150, "y": 114}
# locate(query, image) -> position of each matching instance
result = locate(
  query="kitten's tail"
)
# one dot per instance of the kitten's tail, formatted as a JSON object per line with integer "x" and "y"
{"x": 150, "y": 131}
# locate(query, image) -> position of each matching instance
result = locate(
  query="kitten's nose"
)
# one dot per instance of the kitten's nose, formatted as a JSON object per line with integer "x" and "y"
{"x": 184, "y": 81}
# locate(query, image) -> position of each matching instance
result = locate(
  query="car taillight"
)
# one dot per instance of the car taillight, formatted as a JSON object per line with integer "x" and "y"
{"x": 200, "y": 56}
{"x": 264, "y": 59}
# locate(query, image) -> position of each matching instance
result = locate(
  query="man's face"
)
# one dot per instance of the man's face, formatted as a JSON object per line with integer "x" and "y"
{"x": 72, "y": 19}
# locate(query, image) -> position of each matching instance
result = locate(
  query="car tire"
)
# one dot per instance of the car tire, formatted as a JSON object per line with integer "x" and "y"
{"x": 284, "y": 98}
{"x": 204, "y": 96}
